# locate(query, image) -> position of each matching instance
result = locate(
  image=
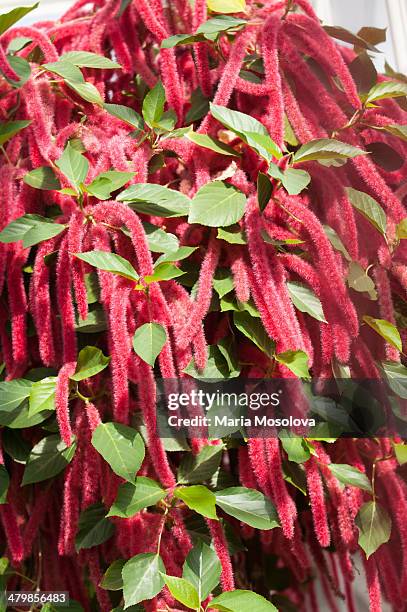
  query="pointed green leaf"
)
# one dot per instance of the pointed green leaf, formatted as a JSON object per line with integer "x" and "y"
{"x": 42, "y": 178}
{"x": 226, "y": 6}
{"x": 11, "y": 17}
{"x": 112, "y": 578}
{"x": 48, "y": 457}
{"x": 183, "y": 591}
{"x": 294, "y": 180}
{"x": 126, "y": 114}
{"x": 253, "y": 329}
{"x": 369, "y": 208}
{"x": 385, "y": 90}
{"x": 88, "y": 60}
{"x": 131, "y": 498}
{"x": 296, "y": 448}
{"x": 142, "y": 578}
{"x": 296, "y": 361}
{"x": 87, "y": 91}
{"x": 160, "y": 241}
{"x": 200, "y": 467}
{"x": 11, "y": 128}
{"x": 264, "y": 190}
{"x": 121, "y": 446}
{"x": 73, "y": 165}
{"x": 110, "y": 262}
{"x": 199, "y": 106}
{"x": 42, "y": 231}
{"x": 359, "y": 280}
{"x": 4, "y": 483}
{"x": 163, "y": 272}
{"x": 198, "y": 498}
{"x": 180, "y": 39}
{"x": 66, "y": 71}
{"x": 326, "y": 148}
{"x": 148, "y": 341}
{"x": 153, "y": 105}
{"x": 217, "y": 204}
{"x": 374, "y": 526}
{"x": 401, "y": 453}
{"x": 336, "y": 241}
{"x": 239, "y": 600}
{"x": 249, "y": 506}
{"x": 207, "y": 142}
{"x": 216, "y": 367}
{"x": 233, "y": 234}
{"x": 401, "y": 229}
{"x": 386, "y": 330}
{"x": 396, "y": 375}
{"x": 93, "y": 528}
{"x": 305, "y": 300}
{"x": 155, "y": 200}
{"x": 13, "y": 393}
{"x": 178, "y": 255}
{"x": 42, "y": 395}
{"x": 91, "y": 361}
{"x": 397, "y": 130}
{"x": 202, "y": 569}
{"x": 350, "y": 475}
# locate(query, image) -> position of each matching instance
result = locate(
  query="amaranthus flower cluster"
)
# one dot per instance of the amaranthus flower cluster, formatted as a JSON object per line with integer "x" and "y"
{"x": 151, "y": 116}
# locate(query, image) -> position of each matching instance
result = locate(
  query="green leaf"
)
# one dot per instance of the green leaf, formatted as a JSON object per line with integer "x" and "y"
{"x": 163, "y": 272}
{"x": 226, "y": 6}
{"x": 66, "y": 71}
{"x": 349, "y": 475}
{"x": 251, "y": 131}
{"x": 396, "y": 375}
{"x": 131, "y": 498}
{"x": 220, "y": 23}
{"x": 401, "y": 453}
{"x": 110, "y": 262}
{"x": 183, "y": 591}
{"x": 105, "y": 183}
{"x": 121, "y": 446}
{"x": 360, "y": 281}
{"x": 369, "y": 208}
{"x": 4, "y": 483}
{"x": 11, "y": 128}
{"x": 233, "y": 234}
{"x": 160, "y": 241}
{"x": 87, "y": 91}
{"x": 94, "y": 323}
{"x": 374, "y": 526}
{"x": 248, "y": 506}
{"x": 142, "y": 578}
{"x": 167, "y": 121}
{"x": 296, "y": 361}
{"x": 153, "y": 105}
{"x": 180, "y": 39}
{"x": 48, "y": 457}
{"x": 155, "y": 200}
{"x": 21, "y": 67}
{"x": 264, "y": 190}
{"x": 42, "y": 395}
{"x": 217, "y": 204}
{"x": 385, "y": 90}
{"x": 223, "y": 281}
{"x": 88, "y": 60}
{"x": 295, "y": 181}
{"x": 148, "y": 341}
{"x": 13, "y": 393}
{"x": 253, "y": 329}
{"x": 17, "y": 229}
{"x": 397, "y": 130}
{"x": 236, "y": 601}
{"x": 401, "y": 229}
{"x": 207, "y": 142}
{"x": 10, "y": 18}
{"x": 73, "y": 165}
{"x": 42, "y": 178}
{"x": 91, "y": 361}
{"x": 216, "y": 367}
{"x": 112, "y": 578}
{"x": 41, "y": 231}
{"x": 305, "y": 300}
{"x": 202, "y": 569}
{"x": 336, "y": 241}
{"x": 181, "y": 253}
{"x": 199, "y": 106}
{"x": 326, "y": 148}
{"x": 18, "y": 44}
{"x": 198, "y": 498}
{"x": 93, "y": 528}
{"x": 200, "y": 467}
{"x": 296, "y": 448}
{"x": 386, "y": 330}
{"x": 126, "y": 114}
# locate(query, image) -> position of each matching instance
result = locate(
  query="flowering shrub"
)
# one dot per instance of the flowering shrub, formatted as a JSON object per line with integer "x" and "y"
{"x": 203, "y": 192}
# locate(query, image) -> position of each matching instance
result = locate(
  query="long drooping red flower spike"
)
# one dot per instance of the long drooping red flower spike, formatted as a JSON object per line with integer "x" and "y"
{"x": 201, "y": 51}
{"x": 62, "y": 401}
{"x": 221, "y": 548}
{"x": 285, "y": 505}
{"x": 274, "y": 115}
{"x": 240, "y": 276}
{"x": 318, "y": 506}
{"x": 18, "y": 307}
{"x": 64, "y": 298}
{"x": 75, "y": 239}
{"x": 373, "y": 584}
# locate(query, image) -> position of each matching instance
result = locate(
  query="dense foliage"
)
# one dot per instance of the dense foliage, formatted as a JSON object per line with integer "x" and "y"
{"x": 209, "y": 192}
